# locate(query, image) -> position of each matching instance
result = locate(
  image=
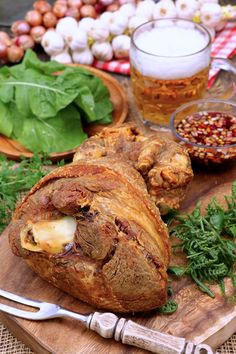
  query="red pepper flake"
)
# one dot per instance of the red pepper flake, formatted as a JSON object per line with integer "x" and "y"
{"x": 212, "y": 129}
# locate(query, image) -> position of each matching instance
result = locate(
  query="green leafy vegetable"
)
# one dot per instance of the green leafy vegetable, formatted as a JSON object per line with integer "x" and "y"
{"x": 17, "y": 179}
{"x": 169, "y": 307}
{"x": 207, "y": 241}
{"x": 44, "y": 111}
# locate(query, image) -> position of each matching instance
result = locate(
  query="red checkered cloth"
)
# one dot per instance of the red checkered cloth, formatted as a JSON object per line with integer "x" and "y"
{"x": 223, "y": 46}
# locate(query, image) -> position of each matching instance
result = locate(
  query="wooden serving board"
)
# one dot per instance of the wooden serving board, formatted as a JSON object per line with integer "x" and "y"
{"x": 198, "y": 318}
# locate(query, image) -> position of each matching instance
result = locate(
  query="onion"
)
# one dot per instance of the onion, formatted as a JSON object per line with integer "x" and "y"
{"x": 75, "y": 3}
{"x": 99, "y": 7}
{"x": 25, "y": 41}
{"x": 3, "y": 50}
{"x": 34, "y": 18}
{"x": 15, "y": 53}
{"x": 37, "y": 33}
{"x": 73, "y": 12}
{"x": 49, "y": 19}
{"x": 88, "y": 11}
{"x": 89, "y": 2}
{"x": 20, "y": 27}
{"x": 42, "y": 6}
{"x": 4, "y": 38}
{"x": 59, "y": 9}
{"x": 113, "y": 7}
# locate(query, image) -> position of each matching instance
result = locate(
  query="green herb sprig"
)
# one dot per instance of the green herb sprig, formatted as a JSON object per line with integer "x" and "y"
{"x": 16, "y": 179}
{"x": 208, "y": 243}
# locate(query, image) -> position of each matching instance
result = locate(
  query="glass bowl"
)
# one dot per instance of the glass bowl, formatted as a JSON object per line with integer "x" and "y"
{"x": 207, "y": 128}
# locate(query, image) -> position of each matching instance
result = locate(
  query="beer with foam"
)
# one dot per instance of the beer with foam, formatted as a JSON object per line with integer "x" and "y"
{"x": 170, "y": 62}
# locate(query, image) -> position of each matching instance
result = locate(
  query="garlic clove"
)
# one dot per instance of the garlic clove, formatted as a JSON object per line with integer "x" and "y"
{"x": 83, "y": 57}
{"x": 52, "y": 42}
{"x": 102, "y": 51}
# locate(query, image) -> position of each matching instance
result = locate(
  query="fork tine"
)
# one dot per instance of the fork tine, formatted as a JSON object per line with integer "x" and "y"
{"x": 20, "y": 313}
{"x": 20, "y": 299}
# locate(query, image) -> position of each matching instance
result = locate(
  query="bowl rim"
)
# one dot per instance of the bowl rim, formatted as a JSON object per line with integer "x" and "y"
{"x": 186, "y": 105}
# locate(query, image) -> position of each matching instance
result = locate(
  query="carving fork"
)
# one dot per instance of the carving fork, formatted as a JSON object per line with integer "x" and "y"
{"x": 108, "y": 325}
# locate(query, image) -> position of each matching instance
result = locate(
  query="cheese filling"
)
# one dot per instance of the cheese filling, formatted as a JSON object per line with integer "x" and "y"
{"x": 48, "y": 235}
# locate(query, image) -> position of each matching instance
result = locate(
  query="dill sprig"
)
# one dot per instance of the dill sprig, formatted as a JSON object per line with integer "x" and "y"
{"x": 16, "y": 179}
{"x": 208, "y": 243}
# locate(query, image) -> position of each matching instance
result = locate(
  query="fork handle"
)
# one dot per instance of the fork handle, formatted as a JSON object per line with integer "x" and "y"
{"x": 109, "y": 325}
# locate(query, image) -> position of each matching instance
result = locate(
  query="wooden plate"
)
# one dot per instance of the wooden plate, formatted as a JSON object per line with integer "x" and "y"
{"x": 15, "y": 150}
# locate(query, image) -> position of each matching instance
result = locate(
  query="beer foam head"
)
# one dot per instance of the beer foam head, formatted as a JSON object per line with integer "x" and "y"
{"x": 170, "y": 50}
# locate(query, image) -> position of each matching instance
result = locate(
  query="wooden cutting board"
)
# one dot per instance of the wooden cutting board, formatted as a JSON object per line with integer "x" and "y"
{"x": 198, "y": 318}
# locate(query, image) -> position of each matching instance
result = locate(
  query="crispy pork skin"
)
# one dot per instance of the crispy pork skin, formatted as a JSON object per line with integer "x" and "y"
{"x": 91, "y": 229}
{"x": 164, "y": 165}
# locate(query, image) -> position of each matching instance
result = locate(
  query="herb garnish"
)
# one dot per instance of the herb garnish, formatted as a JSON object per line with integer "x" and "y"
{"x": 207, "y": 241}
{"x": 16, "y": 179}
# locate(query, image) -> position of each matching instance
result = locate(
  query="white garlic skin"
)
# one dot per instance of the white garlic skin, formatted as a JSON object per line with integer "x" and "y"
{"x": 79, "y": 40}
{"x": 121, "y": 46}
{"x": 211, "y": 14}
{"x": 105, "y": 18}
{"x": 122, "y": 2}
{"x": 99, "y": 31}
{"x": 52, "y": 42}
{"x": 127, "y": 10}
{"x": 102, "y": 51}
{"x": 164, "y": 9}
{"x": 186, "y": 8}
{"x": 66, "y": 26}
{"x": 83, "y": 57}
{"x": 86, "y": 23}
{"x": 145, "y": 9}
{"x": 63, "y": 57}
{"x": 118, "y": 24}
{"x": 135, "y": 21}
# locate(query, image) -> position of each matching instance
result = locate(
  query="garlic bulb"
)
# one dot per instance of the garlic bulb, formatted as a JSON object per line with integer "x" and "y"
{"x": 79, "y": 40}
{"x": 106, "y": 18}
{"x": 145, "y": 9}
{"x": 121, "y": 46}
{"x": 122, "y": 2}
{"x": 63, "y": 57}
{"x": 201, "y": 2}
{"x": 86, "y": 23}
{"x": 211, "y": 14}
{"x": 102, "y": 51}
{"x": 66, "y": 26}
{"x": 118, "y": 24}
{"x": 186, "y": 8}
{"x": 99, "y": 31}
{"x": 164, "y": 9}
{"x": 83, "y": 57}
{"x": 135, "y": 21}
{"x": 52, "y": 42}
{"x": 127, "y": 10}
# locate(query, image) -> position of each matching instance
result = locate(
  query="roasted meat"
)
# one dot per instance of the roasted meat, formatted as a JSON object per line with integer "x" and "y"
{"x": 90, "y": 229}
{"x": 164, "y": 165}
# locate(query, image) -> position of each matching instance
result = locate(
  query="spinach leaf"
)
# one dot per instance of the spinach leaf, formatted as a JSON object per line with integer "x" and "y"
{"x": 59, "y": 133}
{"x": 85, "y": 102}
{"x": 6, "y": 119}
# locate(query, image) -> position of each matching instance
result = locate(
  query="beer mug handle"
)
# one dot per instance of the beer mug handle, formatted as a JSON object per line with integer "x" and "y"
{"x": 223, "y": 64}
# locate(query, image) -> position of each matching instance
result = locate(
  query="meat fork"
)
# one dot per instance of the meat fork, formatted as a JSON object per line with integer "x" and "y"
{"x": 108, "y": 325}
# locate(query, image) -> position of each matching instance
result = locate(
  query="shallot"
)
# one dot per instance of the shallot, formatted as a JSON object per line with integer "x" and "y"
{"x": 49, "y": 19}
{"x": 20, "y": 27}
{"x": 15, "y": 53}
{"x": 42, "y": 6}
{"x": 34, "y": 18}
{"x": 37, "y": 33}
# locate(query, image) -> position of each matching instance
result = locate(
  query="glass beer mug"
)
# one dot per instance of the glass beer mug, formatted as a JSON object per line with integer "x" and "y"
{"x": 170, "y": 60}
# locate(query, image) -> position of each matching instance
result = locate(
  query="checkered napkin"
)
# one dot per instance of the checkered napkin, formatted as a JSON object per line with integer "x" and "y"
{"x": 224, "y": 46}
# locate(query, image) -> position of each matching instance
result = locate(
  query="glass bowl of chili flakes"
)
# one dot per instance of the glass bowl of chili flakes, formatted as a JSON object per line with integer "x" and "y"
{"x": 207, "y": 128}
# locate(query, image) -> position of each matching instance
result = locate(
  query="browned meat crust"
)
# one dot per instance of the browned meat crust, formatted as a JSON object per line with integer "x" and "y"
{"x": 164, "y": 165}
{"x": 120, "y": 251}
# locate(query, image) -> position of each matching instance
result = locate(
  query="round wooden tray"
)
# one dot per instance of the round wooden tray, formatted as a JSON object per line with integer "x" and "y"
{"x": 15, "y": 150}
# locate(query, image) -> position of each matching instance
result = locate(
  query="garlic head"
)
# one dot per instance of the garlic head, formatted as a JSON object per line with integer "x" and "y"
{"x": 83, "y": 57}
{"x": 211, "y": 14}
{"x": 79, "y": 40}
{"x": 186, "y": 8}
{"x": 164, "y": 9}
{"x": 99, "y": 31}
{"x": 127, "y": 10}
{"x": 52, "y": 42}
{"x": 118, "y": 23}
{"x": 145, "y": 9}
{"x": 86, "y": 23}
{"x": 121, "y": 46}
{"x": 63, "y": 57}
{"x": 102, "y": 51}
{"x": 105, "y": 18}
{"x": 136, "y": 21}
{"x": 65, "y": 27}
